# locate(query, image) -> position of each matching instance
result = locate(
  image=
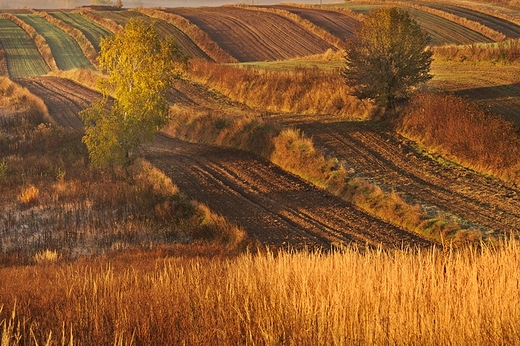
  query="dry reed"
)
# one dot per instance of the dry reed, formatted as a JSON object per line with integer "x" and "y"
{"x": 467, "y": 297}
{"x": 303, "y": 90}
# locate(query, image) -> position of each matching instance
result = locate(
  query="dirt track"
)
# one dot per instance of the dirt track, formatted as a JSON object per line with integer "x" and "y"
{"x": 272, "y": 205}
{"x": 391, "y": 161}
{"x": 63, "y": 98}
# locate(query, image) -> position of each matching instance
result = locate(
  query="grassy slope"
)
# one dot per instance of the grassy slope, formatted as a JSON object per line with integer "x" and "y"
{"x": 23, "y": 58}
{"x": 93, "y": 31}
{"x": 66, "y": 51}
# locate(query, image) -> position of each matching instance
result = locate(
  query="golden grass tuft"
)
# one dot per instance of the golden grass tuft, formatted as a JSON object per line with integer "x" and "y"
{"x": 350, "y": 297}
{"x": 29, "y": 195}
{"x": 302, "y": 90}
{"x": 46, "y": 257}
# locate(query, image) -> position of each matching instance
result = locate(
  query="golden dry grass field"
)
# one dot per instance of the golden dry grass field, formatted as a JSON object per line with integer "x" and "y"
{"x": 274, "y": 208}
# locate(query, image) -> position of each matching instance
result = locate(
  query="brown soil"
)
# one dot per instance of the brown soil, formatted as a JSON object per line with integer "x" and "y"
{"x": 64, "y": 98}
{"x": 393, "y": 162}
{"x": 274, "y": 206}
{"x": 509, "y": 29}
{"x": 338, "y": 24}
{"x": 250, "y": 35}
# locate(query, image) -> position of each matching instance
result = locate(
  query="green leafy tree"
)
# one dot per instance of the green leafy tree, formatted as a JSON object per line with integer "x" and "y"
{"x": 387, "y": 57}
{"x": 140, "y": 68}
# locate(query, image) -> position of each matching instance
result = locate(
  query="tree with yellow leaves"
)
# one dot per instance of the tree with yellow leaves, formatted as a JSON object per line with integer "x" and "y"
{"x": 140, "y": 68}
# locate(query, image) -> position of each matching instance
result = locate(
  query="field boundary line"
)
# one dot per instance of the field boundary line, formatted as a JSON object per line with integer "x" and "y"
{"x": 40, "y": 41}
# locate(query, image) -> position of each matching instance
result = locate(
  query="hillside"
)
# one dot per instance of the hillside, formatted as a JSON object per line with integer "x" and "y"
{"x": 276, "y": 207}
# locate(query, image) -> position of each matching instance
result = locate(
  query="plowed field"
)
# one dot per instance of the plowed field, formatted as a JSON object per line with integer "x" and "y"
{"x": 336, "y": 23}
{"x": 441, "y": 31}
{"x": 250, "y": 35}
{"x": 509, "y": 29}
{"x": 63, "y": 98}
{"x": 270, "y": 204}
{"x": 65, "y": 49}
{"x": 23, "y": 58}
{"x": 393, "y": 162}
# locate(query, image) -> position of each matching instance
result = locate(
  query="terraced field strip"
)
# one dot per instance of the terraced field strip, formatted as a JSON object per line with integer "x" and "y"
{"x": 503, "y": 26}
{"x": 121, "y": 17}
{"x": 23, "y": 58}
{"x": 65, "y": 49}
{"x": 389, "y": 160}
{"x": 249, "y": 35}
{"x": 272, "y": 205}
{"x": 92, "y": 31}
{"x": 338, "y": 24}
{"x": 443, "y": 31}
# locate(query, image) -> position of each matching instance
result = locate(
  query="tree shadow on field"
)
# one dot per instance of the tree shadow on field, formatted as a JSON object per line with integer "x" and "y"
{"x": 501, "y": 99}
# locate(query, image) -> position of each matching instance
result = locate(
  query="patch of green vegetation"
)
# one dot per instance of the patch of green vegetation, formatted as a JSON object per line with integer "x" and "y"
{"x": 65, "y": 49}
{"x": 23, "y": 58}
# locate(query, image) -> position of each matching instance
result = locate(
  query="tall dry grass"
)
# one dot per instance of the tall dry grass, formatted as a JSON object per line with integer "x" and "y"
{"x": 464, "y": 132}
{"x": 295, "y": 152}
{"x": 506, "y": 52}
{"x": 467, "y": 297}
{"x": 198, "y": 36}
{"x": 302, "y": 90}
{"x": 39, "y": 40}
{"x": 83, "y": 42}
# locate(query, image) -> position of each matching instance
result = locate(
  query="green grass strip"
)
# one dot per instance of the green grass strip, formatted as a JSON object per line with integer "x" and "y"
{"x": 23, "y": 58}
{"x": 92, "y": 31}
{"x": 65, "y": 49}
